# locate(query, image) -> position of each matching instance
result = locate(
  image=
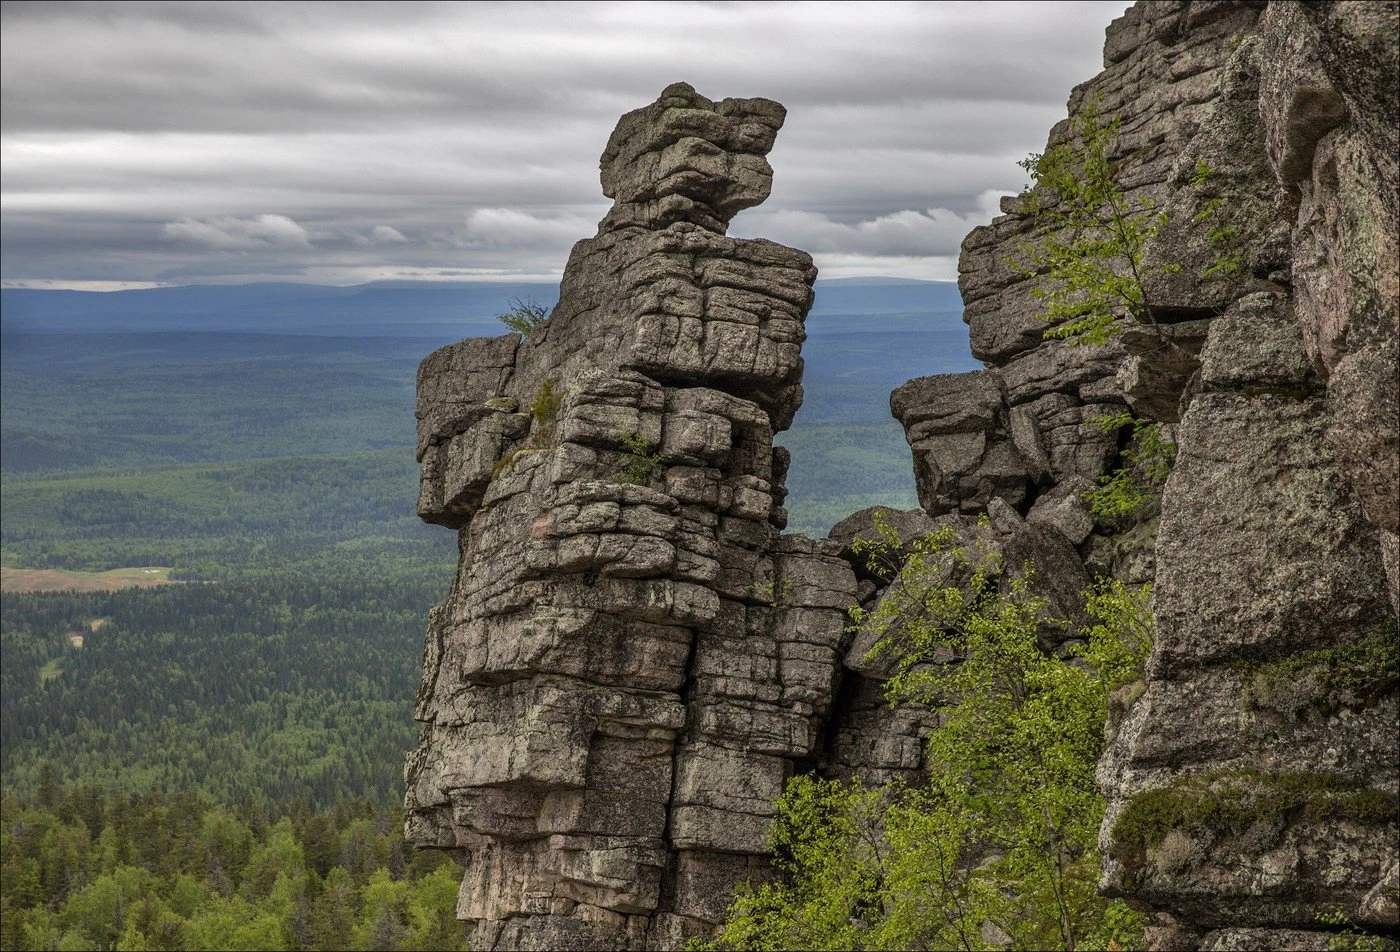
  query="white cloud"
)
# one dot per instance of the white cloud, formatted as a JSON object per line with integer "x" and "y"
{"x": 228, "y": 233}
{"x": 906, "y": 234}
{"x": 387, "y": 234}
{"x": 510, "y": 228}
{"x": 125, "y": 124}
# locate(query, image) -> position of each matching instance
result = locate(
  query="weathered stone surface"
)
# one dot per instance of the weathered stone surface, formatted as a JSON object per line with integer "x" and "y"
{"x": 1276, "y": 523}
{"x": 685, "y": 158}
{"x": 1161, "y": 360}
{"x": 1247, "y": 940}
{"x": 869, "y": 526}
{"x": 633, "y": 661}
{"x": 632, "y": 658}
{"x": 959, "y": 431}
{"x": 1268, "y": 134}
{"x": 1255, "y": 346}
{"x": 1064, "y": 510}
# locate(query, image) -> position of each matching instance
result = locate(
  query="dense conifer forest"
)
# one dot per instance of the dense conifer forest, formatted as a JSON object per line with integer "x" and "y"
{"x": 216, "y": 762}
{"x": 88, "y": 867}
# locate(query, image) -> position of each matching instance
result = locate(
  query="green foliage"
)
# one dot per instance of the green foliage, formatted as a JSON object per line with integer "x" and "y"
{"x": 1124, "y": 495}
{"x": 775, "y": 595}
{"x": 841, "y": 467}
{"x": 141, "y": 401}
{"x": 1223, "y": 236}
{"x": 1092, "y": 263}
{"x": 103, "y": 869}
{"x": 217, "y": 520}
{"x": 524, "y": 317}
{"x": 1351, "y": 939}
{"x": 999, "y": 848}
{"x": 264, "y": 690}
{"x": 544, "y": 410}
{"x": 639, "y": 462}
{"x": 1229, "y": 802}
{"x": 1329, "y": 679}
{"x": 1091, "y": 268}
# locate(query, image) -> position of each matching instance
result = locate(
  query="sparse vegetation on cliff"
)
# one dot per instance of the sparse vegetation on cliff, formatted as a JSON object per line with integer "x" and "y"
{"x": 1092, "y": 260}
{"x": 1124, "y": 495}
{"x": 1193, "y": 812}
{"x": 525, "y": 316}
{"x": 1327, "y": 680}
{"x": 639, "y": 462}
{"x": 999, "y": 848}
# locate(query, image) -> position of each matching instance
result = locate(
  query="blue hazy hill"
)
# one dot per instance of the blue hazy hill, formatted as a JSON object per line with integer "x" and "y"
{"x": 438, "y": 310}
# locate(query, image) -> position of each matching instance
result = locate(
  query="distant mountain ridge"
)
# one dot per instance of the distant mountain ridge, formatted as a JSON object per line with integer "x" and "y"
{"x": 438, "y": 310}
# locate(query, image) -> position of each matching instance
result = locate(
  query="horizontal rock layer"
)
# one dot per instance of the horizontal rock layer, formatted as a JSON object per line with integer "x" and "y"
{"x": 633, "y": 659}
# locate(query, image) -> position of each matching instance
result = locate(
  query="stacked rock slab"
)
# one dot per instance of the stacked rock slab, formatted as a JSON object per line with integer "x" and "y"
{"x": 632, "y": 657}
{"x": 1253, "y": 781}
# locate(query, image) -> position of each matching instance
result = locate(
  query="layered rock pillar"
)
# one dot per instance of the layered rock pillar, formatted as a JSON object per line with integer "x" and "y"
{"x": 632, "y": 658}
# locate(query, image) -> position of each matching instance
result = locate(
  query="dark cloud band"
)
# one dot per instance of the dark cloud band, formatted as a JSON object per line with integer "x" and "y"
{"x": 226, "y": 141}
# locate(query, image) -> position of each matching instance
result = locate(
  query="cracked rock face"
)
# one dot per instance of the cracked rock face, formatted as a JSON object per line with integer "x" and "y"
{"x": 1274, "y": 546}
{"x": 632, "y": 657}
{"x": 1275, "y": 555}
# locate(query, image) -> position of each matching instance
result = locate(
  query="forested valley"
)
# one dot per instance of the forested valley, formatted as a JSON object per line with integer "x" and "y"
{"x": 216, "y": 761}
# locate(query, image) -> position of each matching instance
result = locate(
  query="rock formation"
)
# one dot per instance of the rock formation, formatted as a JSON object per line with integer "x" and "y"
{"x": 1272, "y": 686}
{"x": 634, "y": 658}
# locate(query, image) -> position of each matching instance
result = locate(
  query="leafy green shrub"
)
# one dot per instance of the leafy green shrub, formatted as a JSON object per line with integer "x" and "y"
{"x": 1351, "y": 939}
{"x": 777, "y": 595}
{"x": 1223, "y": 236}
{"x": 1093, "y": 262}
{"x": 639, "y": 462}
{"x": 1000, "y": 846}
{"x": 1123, "y": 495}
{"x": 524, "y": 316}
{"x": 1091, "y": 269}
{"x": 544, "y": 410}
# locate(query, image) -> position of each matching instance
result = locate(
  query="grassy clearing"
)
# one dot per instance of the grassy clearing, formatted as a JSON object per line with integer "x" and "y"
{"x": 16, "y": 580}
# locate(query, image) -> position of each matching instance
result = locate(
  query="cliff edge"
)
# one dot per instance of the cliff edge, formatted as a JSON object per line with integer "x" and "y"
{"x": 1252, "y": 778}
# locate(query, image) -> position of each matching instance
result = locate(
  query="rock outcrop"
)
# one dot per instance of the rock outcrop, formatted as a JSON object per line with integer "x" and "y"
{"x": 633, "y": 658}
{"x": 1272, "y": 688}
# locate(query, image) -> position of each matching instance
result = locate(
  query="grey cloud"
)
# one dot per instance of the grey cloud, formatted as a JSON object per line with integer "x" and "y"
{"x": 387, "y": 233}
{"x": 239, "y": 234}
{"x": 908, "y": 233}
{"x": 473, "y": 131}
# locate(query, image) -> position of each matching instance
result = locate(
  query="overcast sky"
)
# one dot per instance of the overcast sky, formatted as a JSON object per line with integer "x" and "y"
{"x": 346, "y": 142}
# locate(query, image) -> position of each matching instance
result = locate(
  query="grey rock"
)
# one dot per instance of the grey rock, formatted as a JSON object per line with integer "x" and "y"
{"x": 1276, "y": 364}
{"x": 1064, "y": 510}
{"x": 686, "y": 158}
{"x": 959, "y": 432}
{"x": 865, "y": 525}
{"x": 631, "y": 658}
{"x": 1256, "y": 345}
{"x": 1161, "y": 361}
